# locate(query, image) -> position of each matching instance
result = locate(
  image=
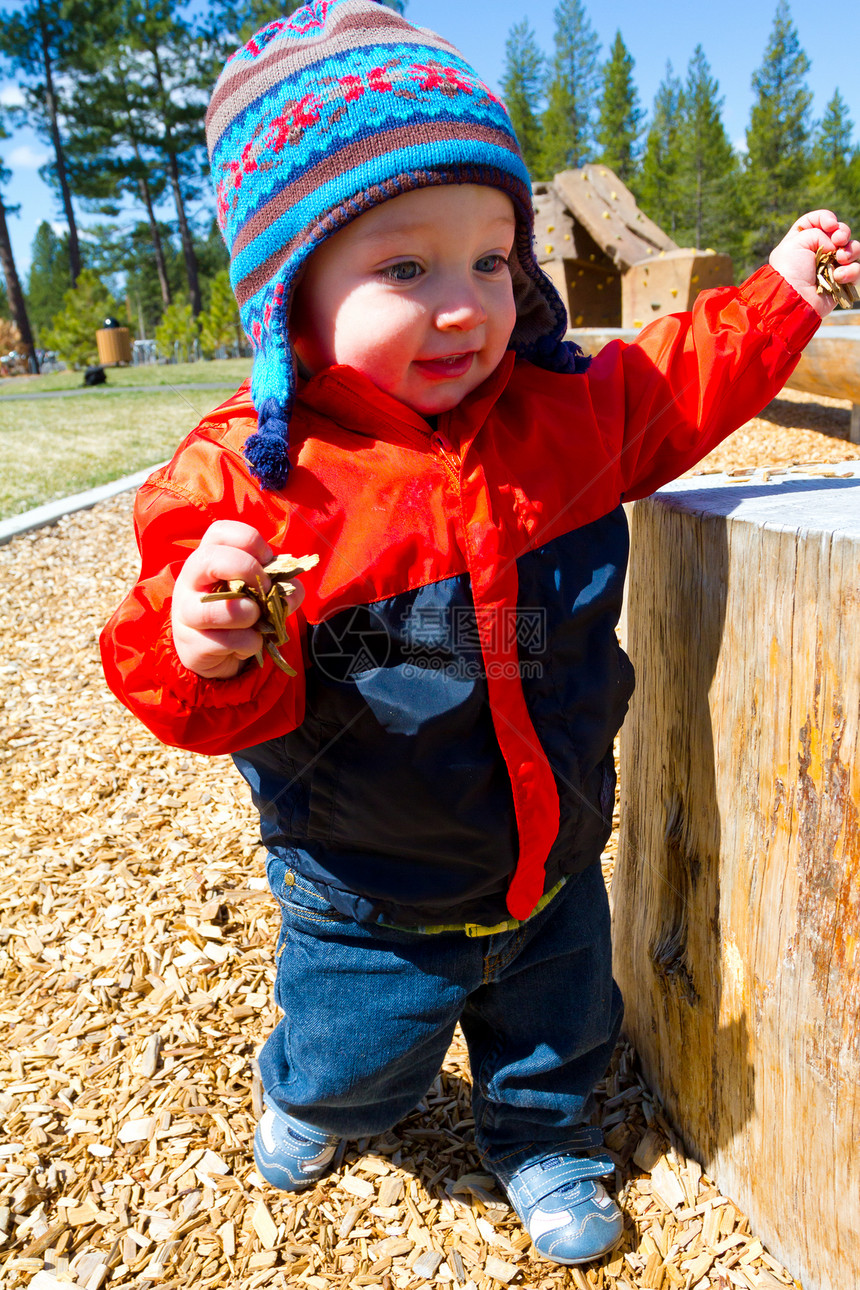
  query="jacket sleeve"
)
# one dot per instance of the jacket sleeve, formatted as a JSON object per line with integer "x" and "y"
{"x": 690, "y": 379}
{"x": 143, "y": 669}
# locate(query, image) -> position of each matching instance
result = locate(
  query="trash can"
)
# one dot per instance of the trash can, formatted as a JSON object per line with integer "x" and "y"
{"x": 114, "y": 343}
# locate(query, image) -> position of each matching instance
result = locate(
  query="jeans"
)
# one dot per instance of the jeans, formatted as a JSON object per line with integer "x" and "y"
{"x": 369, "y": 1014}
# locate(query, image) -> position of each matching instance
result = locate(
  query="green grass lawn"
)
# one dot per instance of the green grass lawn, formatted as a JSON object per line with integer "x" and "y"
{"x": 232, "y": 371}
{"x": 50, "y": 448}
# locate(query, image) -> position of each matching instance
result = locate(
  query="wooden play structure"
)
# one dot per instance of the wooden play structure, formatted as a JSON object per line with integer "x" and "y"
{"x": 612, "y": 265}
{"x": 737, "y": 888}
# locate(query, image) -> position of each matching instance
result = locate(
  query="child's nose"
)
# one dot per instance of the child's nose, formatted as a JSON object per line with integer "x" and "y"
{"x": 461, "y": 309}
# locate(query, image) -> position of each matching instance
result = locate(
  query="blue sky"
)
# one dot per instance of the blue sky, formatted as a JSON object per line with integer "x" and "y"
{"x": 733, "y": 34}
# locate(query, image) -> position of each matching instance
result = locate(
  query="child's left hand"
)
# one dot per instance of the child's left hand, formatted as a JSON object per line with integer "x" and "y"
{"x": 794, "y": 258}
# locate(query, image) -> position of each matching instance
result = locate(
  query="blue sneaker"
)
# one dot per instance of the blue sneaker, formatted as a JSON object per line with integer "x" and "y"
{"x": 565, "y": 1211}
{"x": 289, "y": 1154}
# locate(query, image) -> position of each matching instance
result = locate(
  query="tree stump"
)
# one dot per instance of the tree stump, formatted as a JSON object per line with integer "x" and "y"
{"x": 737, "y": 888}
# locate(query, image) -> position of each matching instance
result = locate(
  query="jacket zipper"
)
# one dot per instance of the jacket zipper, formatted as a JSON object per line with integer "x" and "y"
{"x": 445, "y": 450}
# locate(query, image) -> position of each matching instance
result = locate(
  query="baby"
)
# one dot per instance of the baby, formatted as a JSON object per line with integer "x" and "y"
{"x": 432, "y": 759}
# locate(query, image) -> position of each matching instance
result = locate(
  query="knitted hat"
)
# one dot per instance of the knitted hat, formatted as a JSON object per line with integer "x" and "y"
{"x": 322, "y": 116}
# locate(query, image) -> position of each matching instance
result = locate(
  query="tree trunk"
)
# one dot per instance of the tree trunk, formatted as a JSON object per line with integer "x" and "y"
{"x": 13, "y": 290}
{"x": 187, "y": 240}
{"x": 158, "y": 249}
{"x": 737, "y": 889}
{"x": 173, "y": 166}
{"x": 51, "y": 104}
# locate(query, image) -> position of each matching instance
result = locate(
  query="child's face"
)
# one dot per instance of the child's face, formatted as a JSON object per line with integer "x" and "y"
{"x": 416, "y": 294}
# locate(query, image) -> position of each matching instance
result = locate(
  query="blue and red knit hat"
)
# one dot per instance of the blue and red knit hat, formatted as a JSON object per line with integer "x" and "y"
{"x": 320, "y": 117}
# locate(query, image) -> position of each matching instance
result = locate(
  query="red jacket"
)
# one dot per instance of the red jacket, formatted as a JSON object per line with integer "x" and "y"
{"x": 445, "y": 768}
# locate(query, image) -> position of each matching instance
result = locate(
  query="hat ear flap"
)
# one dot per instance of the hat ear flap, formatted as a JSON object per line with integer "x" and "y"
{"x": 267, "y": 450}
{"x": 538, "y": 334}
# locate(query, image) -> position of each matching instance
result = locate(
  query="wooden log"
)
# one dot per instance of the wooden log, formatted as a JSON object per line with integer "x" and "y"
{"x": 843, "y": 318}
{"x": 830, "y": 364}
{"x": 736, "y": 895}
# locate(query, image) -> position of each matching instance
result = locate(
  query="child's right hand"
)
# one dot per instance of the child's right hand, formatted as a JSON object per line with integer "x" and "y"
{"x": 794, "y": 257}
{"x": 215, "y": 638}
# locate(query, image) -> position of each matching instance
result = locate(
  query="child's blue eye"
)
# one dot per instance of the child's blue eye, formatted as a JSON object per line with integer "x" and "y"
{"x": 490, "y": 263}
{"x": 404, "y": 271}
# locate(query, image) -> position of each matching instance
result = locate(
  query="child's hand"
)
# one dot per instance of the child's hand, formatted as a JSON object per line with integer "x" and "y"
{"x": 794, "y": 258}
{"x": 215, "y": 638}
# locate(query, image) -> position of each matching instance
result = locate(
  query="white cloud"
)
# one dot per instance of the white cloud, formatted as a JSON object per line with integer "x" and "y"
{"x": 11, "y": 96}
{"x": 24, "y": 157}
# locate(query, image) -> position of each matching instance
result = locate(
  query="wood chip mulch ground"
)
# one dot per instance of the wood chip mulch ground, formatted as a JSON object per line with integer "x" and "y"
{"x": 136, "y": 969}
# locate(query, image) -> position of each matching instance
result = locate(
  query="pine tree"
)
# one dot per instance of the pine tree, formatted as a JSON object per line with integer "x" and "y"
{"x": 124, "y": 255}
{"x": 836, "y": 163}
{"x": 574, "y": 81}
{"x": 522, "y": 83}
{"x": 220, "y": 325}
{"x": 176, "y": 71}
{"x": 657, "y": 184}
{"x": 14, "y": 294}
{"x": 176, "y": 333}
{"x": 213, "y": 260}
{"x": 43, "y": 45}
{"x": 708, "y": 194}
{"x": 619, "y": 125}
{"x": 777, "y": 170}
{"x": 114, "y": 142}
{"x": 49, "y": 275}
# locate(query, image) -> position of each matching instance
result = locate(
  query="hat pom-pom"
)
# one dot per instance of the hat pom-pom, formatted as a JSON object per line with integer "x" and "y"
{"x": 267, "y": 450}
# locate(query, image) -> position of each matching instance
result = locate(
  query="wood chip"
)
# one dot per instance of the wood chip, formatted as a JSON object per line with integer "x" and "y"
{"x": 44, "y": 1242}
{"x": 649, "y": 1151}
{"x": 227, "y": 1237}
{"x": 844, "y": 294}
{"x": 273, "y": 604}
{"x": 394, "y": 1246}
{"x": 265, "y": 1226}
{"x": 426, "y": 1265}
{"x": 151, "y": 1054}
{"x": 390, "y": 1190}
{"x": 137, "y": 1130}
{"x": 667, "y": 1185}
{"x": 357, "y": 1186}
{"x": 500, "y": 1270}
